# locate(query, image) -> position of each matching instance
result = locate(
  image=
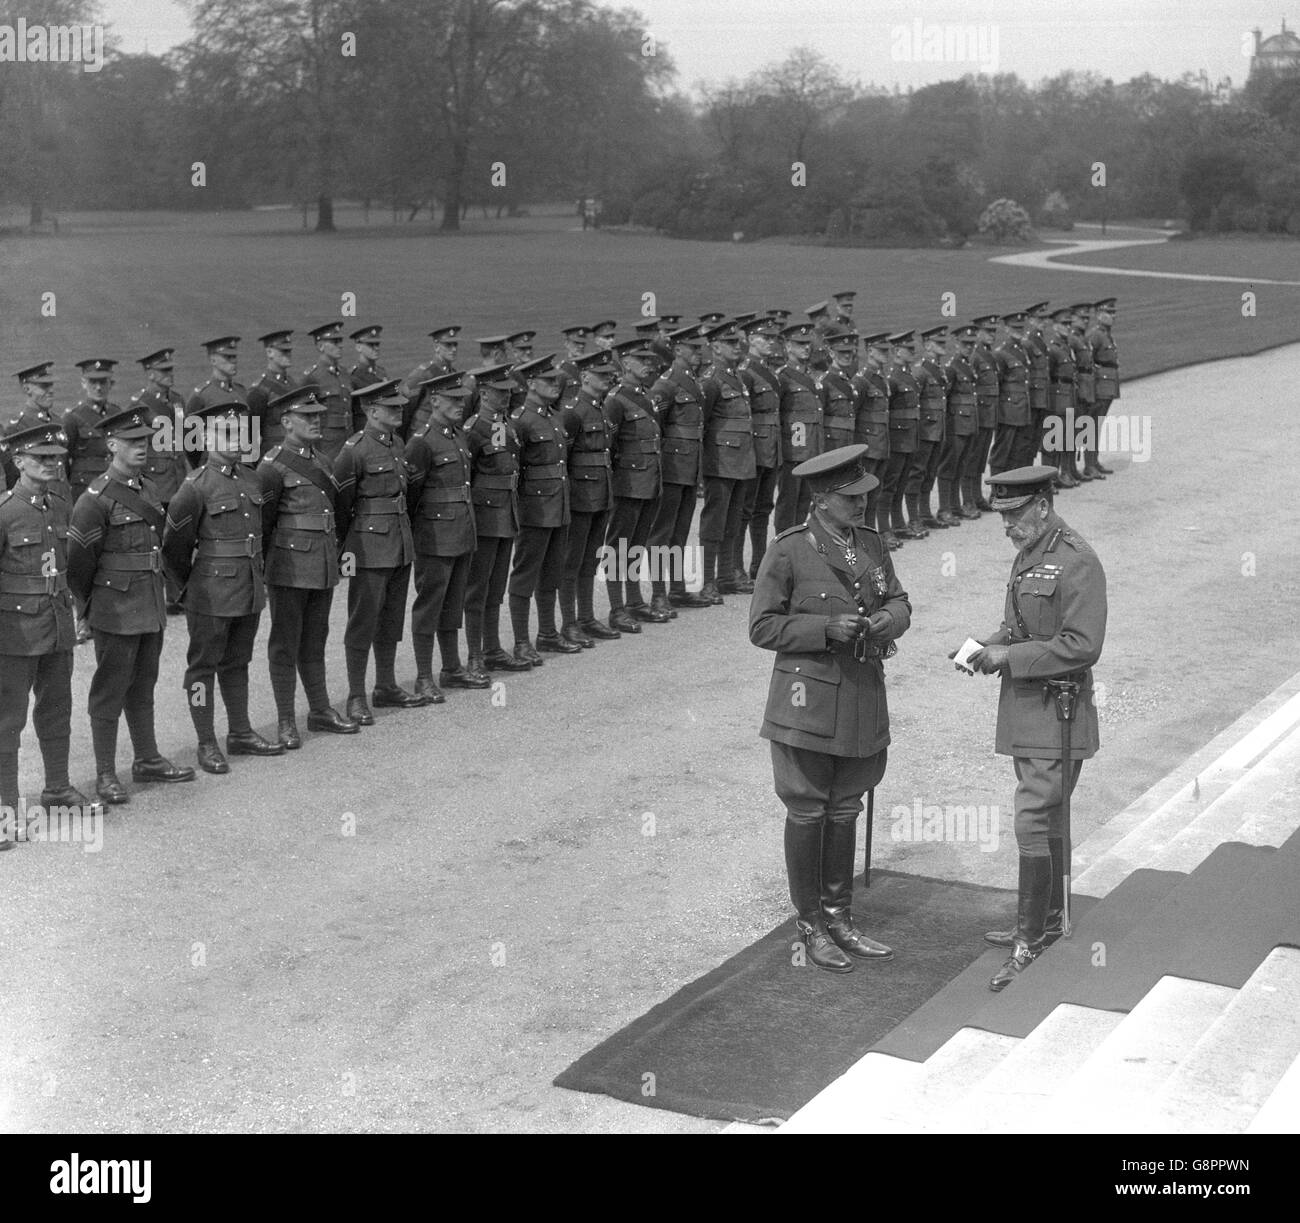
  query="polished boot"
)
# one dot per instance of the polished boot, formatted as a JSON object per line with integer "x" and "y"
{"x": 621, "y": 620}
{"x": 647, "y": 614}
{"x": 599, "y": 630}
{"x": 465, "y": 677}
{"x": 499, "y": 660}
{"x": 250, "y": 743}
{"x": 68, "y": 796}
{"x": 159, "y": 768}
{"x": 557, "y": 643}
{"x": 287, "y": 730}
{"x": 1034, "y": 895}
{"x": 572, "y": 633}
{"x": 111, "y": 790}
{"x": 395, "y": 697}
{"x": 210, "y": 758}
{"x": 685, "y": 598}
{"x": 429, "y": 692}
{"x": 803, "y": 864}
{"x": 524, "y": 650}
{"x": 329, "y": 721}
{"x": 839, "y": 844}
{"x": 659, "y": 603}
{"x": 358, "y": 711}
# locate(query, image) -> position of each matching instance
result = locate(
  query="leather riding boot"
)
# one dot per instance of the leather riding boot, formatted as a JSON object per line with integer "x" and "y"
{"x": 803, "y": 864}
{"x": 1035, "y": 892}
{"x": 839, "y": 844}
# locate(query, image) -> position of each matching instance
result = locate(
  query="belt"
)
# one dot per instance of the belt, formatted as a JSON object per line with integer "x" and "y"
{"x": 641, "y": 445}
{"x": 692, "y": 433}
{"x": 306, "y": 522}
{"x": 504, "y": 480}
{"x": 765, "y": 418}
{"x": 544, "y": 471}
{"x": 380, "y": 505}
{"x": 589, "y": 458}
{"x": 131, "y": 562}
{"x": 211, "y": 549}
{"x": 443, "y": 496}
{"x": 31, "y": 584}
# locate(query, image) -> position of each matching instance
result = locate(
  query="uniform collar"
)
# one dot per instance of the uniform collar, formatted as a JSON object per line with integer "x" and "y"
{"x": 226, "y": 469}
{"x": 1028, "y": 558}
{"x": 302, "y": 451}
{"x": 38, "y": 500}
{"x": 379, "y": 434}
{"x": 833, "y": 552}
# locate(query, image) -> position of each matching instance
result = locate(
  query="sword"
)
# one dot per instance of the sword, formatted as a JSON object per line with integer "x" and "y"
{"x": 1066, "y": 692}
{"x": 866, "y": 862}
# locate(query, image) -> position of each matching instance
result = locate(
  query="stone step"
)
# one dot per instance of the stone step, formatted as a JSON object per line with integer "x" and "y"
{"x": 835, "y": 1109}
{"x": 1281, "y": 1111}
{"x": 1136, "y": 1059}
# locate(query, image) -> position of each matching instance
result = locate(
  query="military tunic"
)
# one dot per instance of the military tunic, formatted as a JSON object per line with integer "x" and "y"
{"x": 678, "y": 400}
{"x": 334, "y": 390}
{"x": 494, "y": 481}
{"x": 271, "y": 385}
{"x": 1015, "y": 440}
{"x": 801, "y": 439}
{"x": 88, "y": 455}
{"x": 839, "y": 408}
{"x": 904, "y": 432}
{"x": 635, "y": 455}
{"x": 544, "y": 514}
{"x": 758, "y": 496}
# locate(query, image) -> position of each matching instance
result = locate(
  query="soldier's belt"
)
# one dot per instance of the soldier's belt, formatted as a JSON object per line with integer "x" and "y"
{"x": 444, "y": 496}
{"x": 32, "y": 584}
{"x": 690, "y": 433}
{"x": 131, "y": 562}
{"x": 589, "y": 458}
{"x": 544, "y": 471}
{"x": 306, "y": 522}
{"x": 217, "y": 549}
{"x": 640, "y": 445}
{"x": 380, "y": 505}
{"x": 765, "y": 418}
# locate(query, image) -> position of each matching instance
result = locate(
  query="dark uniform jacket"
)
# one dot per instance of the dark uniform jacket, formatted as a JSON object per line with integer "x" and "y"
{"x": 904, "y": 410}
{"x": 1060, "y": 366}
{"x": 764, "y": 387}
{"x": 272, "y": 384}
{"x": 494, "y": 480}
{"x": 962, "y": 416}
{"x": 115, "y": 557}
{"x": 570, "y": 383}
{"x": 213, "y": 542}
{"x": 35, "y": 605}
{"x": 334, "y": 390}
{"x": 165, "y": 468}
{"x": 31, "y": 415}
{"x": 438, "y": 496}
{"x": 1013, "y": 383}
{"x": 1035, "y": 346}
{"x": 1055, "y": 622}
{"x": 728, "y": 427}
{"x": 591, "y": 484}
{"x": 374, "y": 526}
{"x": 871, "y": 424}
{"x": 824, "y": 695}
{"x": 215, "y": 390}
{"x": 633, "y": 443}
{"x": 986, "y": 385}
{"x": 543, "y": 467}
{"x": 88, "y": 455}
{"x": 1085, "y": 389}
{"x": 839, "y": 410}
{"x": 932, "y": 383}
{"x": 300, "y": 545}
{"x": 1105, "y": 362}
{"x": 416, "y": 413}
{"x": 801, "y": 414}
{"x": 678, "y": 399}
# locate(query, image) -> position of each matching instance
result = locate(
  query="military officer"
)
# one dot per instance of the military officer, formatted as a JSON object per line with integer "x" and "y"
{"x": 494, "y": 445}
{"x": 932, "y": 383}
{"x": 367, "y": 370}
{"x": 759, "y": 374}
{"x": 839, "y": 403}
{"x": 844, "y": 302}
{"x": 828, "y": 602}
{"x": 1036, "y": 344}
{"x": 115, "y": 571}
{"x": 604, "y": 333}
{"x": 276, "y": 380}
{"x": 591, "y": 492}
{"x": 711, "y": 319}
{"x": 1085, "y": 389}
{"x": 1053, "y": 627}
{"x": 493, "y": 349}
{"x": 544, "y": 513}
{"x": 575, "y": 344}
{"x": 960, "y": 428}
{"x": 213, "y": 546}
{"x": 221, "y": 386}
{"x": 678, "y": 399}
{"x": 441, "y": 507}
{"x": 904, "y": 431}
{"x": 300, "y": 550}
{"x": 87, "y": 448}
{"x": 37, "y": 382}
{"x": 446, "y": 345}
{"x": 1015, "y": 439}
{"x": 333, "y": 389}
{"x": 819, "y": 356}
{"x": 375, "y": 528}
{"x": 801, "y": 423}
{"x": 1105, "y": 357}
{"x": 1058, "y": 423}
{"x": 635, "y": 456}
{"x": 986, "y": 406}
{"x": 37, "y": 633}
{"x": 871, "y": 428}
{"x": 728, "y": 460}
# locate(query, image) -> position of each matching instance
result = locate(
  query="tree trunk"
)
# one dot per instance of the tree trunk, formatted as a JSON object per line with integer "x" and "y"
{"x": 451, "y": 203}
{"x": 325, "y": 214}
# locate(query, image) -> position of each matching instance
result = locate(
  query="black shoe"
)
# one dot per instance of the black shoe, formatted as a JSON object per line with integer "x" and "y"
{"x": 499, "y": 660}
{"x": 1022, "y": 956}
{"x": 712, "y": 593}
{"x": 1065, "y": 480}
{"x": 250, "y": 743}
{"x": 1093, "y": 472}
{"x": 428, "y": 692}
{"x": 1053, "y": 930}
{"x": 329, "y": 721}
{"x": 822, "y": 949}
{"x": 947, "y": 518}
{"x": 111, "y": 790}
{"x": 931, "y": 523}
{"x": 1084, "y": 476}
{"x": 572, "y": 633}
{"x": 159, "y": 768}
{"x": 1101, "y": 467}
{"x": 642, "y": 611}
{"x": 464, "y": 677}
{"x": 983, "y": 505}
{"x": 661, "y": 604}
{"x": 290, "y": 739}
{"x": 740, "y": 581}
{"x": 395, "y": 697}
{"x": 67, "y": 796}
{"x": 211, "y": 760}
{"x": 525, "y": 652}
{"x": 557, "y": 643}
{"x": 684, "y": 598}
{"x": 968, "y": 511}
{"x": 359, "y": 712}
{"x": 908, "y": 531}
{"x": 839, "y": 925}
{"x": 601, "y": 632}
{"x": 622, "y": 620}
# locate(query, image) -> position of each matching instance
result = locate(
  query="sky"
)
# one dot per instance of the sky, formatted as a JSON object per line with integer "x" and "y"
{"x": 893, "y": 42}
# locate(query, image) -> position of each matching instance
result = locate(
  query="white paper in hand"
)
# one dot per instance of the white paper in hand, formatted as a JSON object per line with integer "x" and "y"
{"x": 961, "y": 660}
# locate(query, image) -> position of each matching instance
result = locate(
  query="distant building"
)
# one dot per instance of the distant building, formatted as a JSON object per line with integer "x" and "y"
{"x": 1278, "y": 54}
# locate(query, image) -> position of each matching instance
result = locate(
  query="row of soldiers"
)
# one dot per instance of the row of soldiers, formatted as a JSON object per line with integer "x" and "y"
{"x": 522, "y": 477}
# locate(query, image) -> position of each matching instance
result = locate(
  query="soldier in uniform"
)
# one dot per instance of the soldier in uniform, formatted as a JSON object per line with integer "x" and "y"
{"x": 493, "y": 350}
{"x": 275, "y": 382}
{"x": 871, "y": 429}
{"x": 603, "y": 333}
{"x": 728, "y": 459}
{"x": 367, "y": 370}
{"x": 37, "y": 382}
{"x": 839, "y": 403}
{"x": 37, "y": 633}
{"x": 932, "y": 383}
{"x": 221, "y": 387}
{"x": 445, "y": 347}
{"x": 441, "y": 508}
{"x": 904, "y": 430}
{"x": 575, "y": 345}
{"x": 300, "y": 549}
{"x": 591, "y": 494}
{"x": 1105, "y": 358}
{"x": 333, "y": 389}
{"x": 87, "y": 448}
{"x": 373, "y": 524}
{"x": 986, "y": 407}
{"x": 1036, "y": 344}
{"x": 801, "y": 424}
{"x": 1057, "y": 440}
{"x": 1085, "y": 389}
{"x": 828, "y": 603}
{"x": 543, "y": 512}
{"x": 759, "y": 374}
{"x": 678, "y": 399}
{"x": 844, "y": 301}
{"x": 115, "y": 571}
{"x": 494, "y": 447}
{"x": 213, "y": 547}
{"x": 1053, "y": 627}
{"x": 960, "y": 429}
{"x": 819, "y": 356}
{"x": 635, "y": 456}
{"x": 1015, "y": 437}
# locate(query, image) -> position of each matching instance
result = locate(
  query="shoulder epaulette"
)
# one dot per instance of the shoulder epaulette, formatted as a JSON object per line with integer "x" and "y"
{"x": 6, "y": 495}
{"x": 798, "y": 526}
